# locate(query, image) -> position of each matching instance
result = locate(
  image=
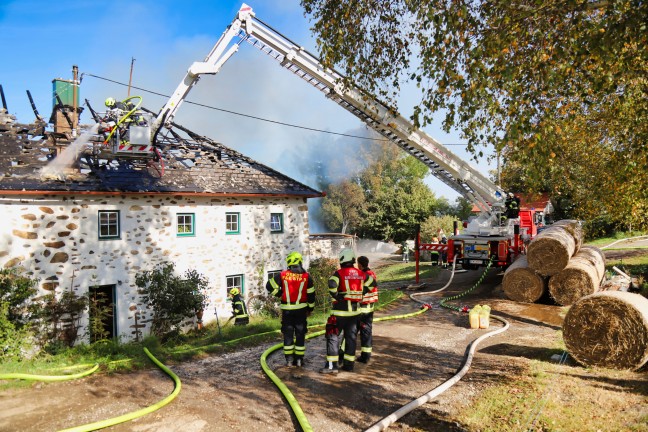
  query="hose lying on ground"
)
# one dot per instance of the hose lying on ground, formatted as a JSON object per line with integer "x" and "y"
{"x": 405, "y": 409}
{"x": 135, "y": 414}
{"x": 48, "y": 378}
{"x": 290, "y": 398}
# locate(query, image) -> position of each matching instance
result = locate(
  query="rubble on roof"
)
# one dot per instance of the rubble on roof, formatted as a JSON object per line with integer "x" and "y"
{"x": 189, "y": 163}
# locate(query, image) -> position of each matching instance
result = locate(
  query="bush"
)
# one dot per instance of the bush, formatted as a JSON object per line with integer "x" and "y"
{"x": 172, "y": 298}
{"x": 15, "y": 313}
{"x": 321, "y": 269}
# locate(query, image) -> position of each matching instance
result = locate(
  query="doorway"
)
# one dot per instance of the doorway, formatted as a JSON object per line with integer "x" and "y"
{"x": 102, "y": 312}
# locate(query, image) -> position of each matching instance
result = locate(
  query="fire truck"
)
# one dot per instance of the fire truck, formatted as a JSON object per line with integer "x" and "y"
{"x": 487, "y": 239}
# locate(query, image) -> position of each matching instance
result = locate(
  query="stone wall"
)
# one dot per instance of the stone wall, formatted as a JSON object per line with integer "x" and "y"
{"x": 55, "y": 239}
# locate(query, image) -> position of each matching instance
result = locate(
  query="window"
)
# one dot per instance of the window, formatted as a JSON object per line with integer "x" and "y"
{"x": 108, "y": 224}
{"x": 273, "y": 273}
{"x": 185, "y": 224}
{"x": 235, "y": 281}
{"x": 276, "y": 222}
{"x": 232, "y": 225}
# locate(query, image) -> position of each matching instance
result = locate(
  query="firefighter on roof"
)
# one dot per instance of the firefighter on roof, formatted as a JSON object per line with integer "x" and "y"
{"x": 296, "y": 290}
{"x": 346, "y": 286}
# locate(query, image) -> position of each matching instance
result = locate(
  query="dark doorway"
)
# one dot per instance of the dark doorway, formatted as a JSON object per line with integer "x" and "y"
{"x": 102, "y": 312}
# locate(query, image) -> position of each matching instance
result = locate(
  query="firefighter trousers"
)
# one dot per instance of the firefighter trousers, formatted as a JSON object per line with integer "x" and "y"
{"x": 366, "y": 330}
{"x": 293, "y": 327}
{"x": 348, "y": 325}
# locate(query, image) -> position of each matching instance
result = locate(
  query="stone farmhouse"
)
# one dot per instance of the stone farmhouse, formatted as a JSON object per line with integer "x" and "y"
{"x": 199, "y": 205}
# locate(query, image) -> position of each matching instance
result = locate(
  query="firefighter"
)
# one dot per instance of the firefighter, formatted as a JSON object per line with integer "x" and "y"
{"x": 296, "y": 290}
{"x": 239, "y": 311}
{"x": 346, "y": 286}
{"x": 444, "y": 253}
{"x": 366, "y": 313}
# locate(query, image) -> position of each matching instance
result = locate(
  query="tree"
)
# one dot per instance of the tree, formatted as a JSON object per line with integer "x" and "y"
{"x": 529, "y": 78}
{"x": 172, "y": 298}
{"x": 342, "y": 206}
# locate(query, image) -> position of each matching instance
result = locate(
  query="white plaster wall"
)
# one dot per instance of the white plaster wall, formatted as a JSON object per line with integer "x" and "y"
{"x": 55, "y": 239}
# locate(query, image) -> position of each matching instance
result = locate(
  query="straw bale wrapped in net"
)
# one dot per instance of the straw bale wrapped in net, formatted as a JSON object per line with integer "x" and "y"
{"x": 608, "y": 329}
{"x": 550, "y": 251}
{"x": 582, "y": 276}
{"x": 521, "y": 283}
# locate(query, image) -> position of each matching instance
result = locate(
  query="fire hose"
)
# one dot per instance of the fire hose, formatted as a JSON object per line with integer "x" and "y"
{"x": 135, "y": 414}
{"x": 287, "y": 394}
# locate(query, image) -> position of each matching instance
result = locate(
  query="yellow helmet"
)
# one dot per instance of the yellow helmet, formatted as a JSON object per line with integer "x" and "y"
{"x": 347, "y": 255}
{"x": 234, "y": 291}
{"x": 294, "y": 258}
{"x": 110, "y": 102}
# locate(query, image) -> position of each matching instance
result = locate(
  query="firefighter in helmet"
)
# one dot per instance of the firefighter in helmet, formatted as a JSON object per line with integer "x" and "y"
{"x": 366, "y": 313}
{"x": 347, "y": 287}
{"x": 296, "y": 290}
{"x": 239, "y": 310}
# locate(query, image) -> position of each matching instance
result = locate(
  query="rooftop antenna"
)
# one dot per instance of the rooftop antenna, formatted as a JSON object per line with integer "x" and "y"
{"x": 130, "y": 79}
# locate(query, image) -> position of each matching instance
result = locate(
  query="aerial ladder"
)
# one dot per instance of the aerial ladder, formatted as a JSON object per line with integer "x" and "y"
{"x": 484, "y": 238}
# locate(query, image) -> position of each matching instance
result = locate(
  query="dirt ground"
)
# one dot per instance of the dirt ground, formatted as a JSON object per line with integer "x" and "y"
{"x": 230, "y": 392}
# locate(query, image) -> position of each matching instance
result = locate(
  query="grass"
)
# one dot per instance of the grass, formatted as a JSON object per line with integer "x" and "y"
{"x": 555, "y": 397}
{"x": 402, "y": 272}
{"x": 604, "y": 241}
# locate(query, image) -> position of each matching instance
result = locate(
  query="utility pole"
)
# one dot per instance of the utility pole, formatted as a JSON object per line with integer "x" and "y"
{"x": 130, "y": 79}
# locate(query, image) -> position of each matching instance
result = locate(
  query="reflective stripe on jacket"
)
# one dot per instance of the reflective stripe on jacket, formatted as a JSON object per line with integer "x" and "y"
{"x": 347, "y": 286}
{"x": 238, "y": 307}
{"x": 295, "y": 289}
{"x": 370, "y": 298}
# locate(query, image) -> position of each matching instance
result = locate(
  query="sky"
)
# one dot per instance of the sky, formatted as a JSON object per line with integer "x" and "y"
{"x": 42, "y": 40}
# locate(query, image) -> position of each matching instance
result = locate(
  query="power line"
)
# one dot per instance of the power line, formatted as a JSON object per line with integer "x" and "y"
{"x": 247, "y": 115}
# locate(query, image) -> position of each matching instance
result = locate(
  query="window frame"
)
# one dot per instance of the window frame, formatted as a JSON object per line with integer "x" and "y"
{"x": 241, "y": 287}
{"x": 192, "y": 232}
{"x": 108, "y": 224}
{"x": 229, "y": 231}
{"x": 281, "y": 223}
{"x": 271, "y": 273}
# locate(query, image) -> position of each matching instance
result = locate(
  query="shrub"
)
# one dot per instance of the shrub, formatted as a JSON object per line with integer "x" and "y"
{"x": 321, "y": 269}
{"x": 172, "y": 298}
{"x": 15, "y": 313}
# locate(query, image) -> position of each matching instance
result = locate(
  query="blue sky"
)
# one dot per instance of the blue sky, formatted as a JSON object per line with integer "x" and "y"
{"x": 42, "y": 40}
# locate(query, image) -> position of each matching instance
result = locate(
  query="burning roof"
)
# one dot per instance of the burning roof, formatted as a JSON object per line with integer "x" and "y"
{"x": 186, "y": 162}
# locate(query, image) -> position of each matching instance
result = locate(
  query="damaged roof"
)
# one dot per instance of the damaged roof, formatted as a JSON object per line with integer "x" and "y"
{"x": 188, "y": 163}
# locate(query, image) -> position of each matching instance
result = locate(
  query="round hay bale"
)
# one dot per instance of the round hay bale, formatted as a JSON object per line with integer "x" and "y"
{"x": 582, "y": 276}
{"x": 521, "y": 283}
{"x": 608, "y": 329}
{"x": 551, "y": 250}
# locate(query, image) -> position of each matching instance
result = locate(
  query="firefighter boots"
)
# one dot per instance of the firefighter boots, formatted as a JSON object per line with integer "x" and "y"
{"x": 364, "y": 357}
{"x": 290, "y": 361}
{"x": 329, "y": 368}
{"x": 298, "y": 362}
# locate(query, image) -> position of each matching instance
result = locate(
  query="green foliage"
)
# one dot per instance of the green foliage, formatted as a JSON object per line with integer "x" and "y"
{"x": 15, "y": 291}
{"x": 172, "y": 298}
{"x": 321, "y": 269}
{"x": 430, "y": 227}
{"x": 558, "y": 88}
{"x": 342, "y": 206}
{"x": 100, "y": 311}
{"x": 15, "y": 313}
{"x": 386, "y": 201}
{"x": 59, "y": 318}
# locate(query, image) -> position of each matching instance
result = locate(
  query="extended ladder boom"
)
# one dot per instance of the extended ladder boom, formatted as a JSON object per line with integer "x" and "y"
{"x": 443, "y": 164}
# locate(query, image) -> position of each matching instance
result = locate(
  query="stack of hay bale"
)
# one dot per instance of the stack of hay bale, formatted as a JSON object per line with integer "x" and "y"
{"x": 601, "y": 328}
{"x": 556, "y": 261}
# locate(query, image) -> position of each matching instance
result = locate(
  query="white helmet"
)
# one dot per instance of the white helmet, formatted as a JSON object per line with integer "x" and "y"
{"x": 347, "y": 255}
